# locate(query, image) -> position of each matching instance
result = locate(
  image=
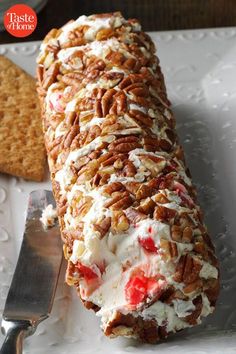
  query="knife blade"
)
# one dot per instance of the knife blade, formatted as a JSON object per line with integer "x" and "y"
{"x": 34, "y": 282}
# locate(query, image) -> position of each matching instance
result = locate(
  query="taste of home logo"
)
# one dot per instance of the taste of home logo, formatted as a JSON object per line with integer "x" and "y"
{"x": 20, "y": 20}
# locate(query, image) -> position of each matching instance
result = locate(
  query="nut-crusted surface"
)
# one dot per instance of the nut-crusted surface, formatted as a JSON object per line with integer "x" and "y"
{"x": 137, "y": 249}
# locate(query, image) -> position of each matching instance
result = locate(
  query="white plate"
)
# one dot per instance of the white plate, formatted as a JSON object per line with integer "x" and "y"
{"x": 200, "y": 71}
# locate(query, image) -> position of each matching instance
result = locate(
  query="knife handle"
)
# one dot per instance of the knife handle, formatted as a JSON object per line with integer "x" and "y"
{"x": 15, "y": 332}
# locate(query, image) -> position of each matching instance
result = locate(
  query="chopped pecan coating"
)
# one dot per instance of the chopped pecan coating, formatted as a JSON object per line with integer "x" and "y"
{"x": 127, "y": 208}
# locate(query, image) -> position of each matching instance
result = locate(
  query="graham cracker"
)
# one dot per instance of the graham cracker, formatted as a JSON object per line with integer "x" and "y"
{"x": 22, "y": 151}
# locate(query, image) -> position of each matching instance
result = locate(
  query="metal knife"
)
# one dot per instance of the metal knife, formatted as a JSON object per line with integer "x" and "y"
{"x": 33, "y": 286}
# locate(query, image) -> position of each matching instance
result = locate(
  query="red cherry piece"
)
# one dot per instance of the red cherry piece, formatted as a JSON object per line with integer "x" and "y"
{"x": 55, "y": 103}
{"x": 86, "y": 272}
{"x": 150, "y": 229}
{"x": 136, "y": 290}
{"x": 102, "y": 266}
{"x": 179, "y": 187}
{"x": 161, "y": 182}
{"x": 139, "y": 288}
{"x": 51, "y": 105}
{"x": 148, "y": 244}
{"x": 154, "y": 287}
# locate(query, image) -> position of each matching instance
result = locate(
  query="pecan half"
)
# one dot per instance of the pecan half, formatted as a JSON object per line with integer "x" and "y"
{"x": 81, "y": 162}
{"x": 51, "y": 34}
{"x": 172, "y": 294}
{"x": 103, "y": 226}
{"x": 88, "y": 171}
{"x": 120, "y": 201}
{"x": 187, "y": 270}
{"x": 40, "y": 73}
{"x": 212, "y": 288}
{"x": 54, "y": 148}
{"x": 147, "y": 206}
{"x": 72, "y": 277}
{"x": 97, "y": 65}
{"x": 121, "y": 102}
{"x": 134, "y": 215}
{"x": 111, "y": 160}
{"x": 151, "y": 143}
{"x": 192, "y": 318}
{"x": 132, "y": 187}
{"x": 62, "y": 206}
{"x": 83, "y": 207}
{"x": 141, "y": 118}
{"x": 200, "y": 247}
{"x": 194, "y": 286}
{"x": 74, "y": 130}
{"x": 165, "y": 145}
{"x": 168, "y": 250}
{"x": 125, "y": 144}
{"x": 94, "y": 132}
{"x": 104, "y": 33}
{"x": 132, "y": 64}
{"x": 116, "y": 58}
{"x": 180, "y": 234}
{"x": 164, "y": 214}
{"x": 144, "y": 191}
{"x": 119, "y": 222}
{"x": 129, "y": 80}
{"x": 50, "y": 75}
{"x": 113, "y": 78}
{"x": 160, "y": 198}
{"x": 129, "y": 169}
{"x": 113, "y": 187}
{"x": 154, "y": 164}
{"x": 106, "y": 101}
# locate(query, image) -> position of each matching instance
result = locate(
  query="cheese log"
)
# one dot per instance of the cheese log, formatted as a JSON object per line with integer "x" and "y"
{"x": 137, "y": 249}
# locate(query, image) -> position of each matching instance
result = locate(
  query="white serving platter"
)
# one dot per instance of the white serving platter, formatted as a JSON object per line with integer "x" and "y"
{"x": 200, "y": 71}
